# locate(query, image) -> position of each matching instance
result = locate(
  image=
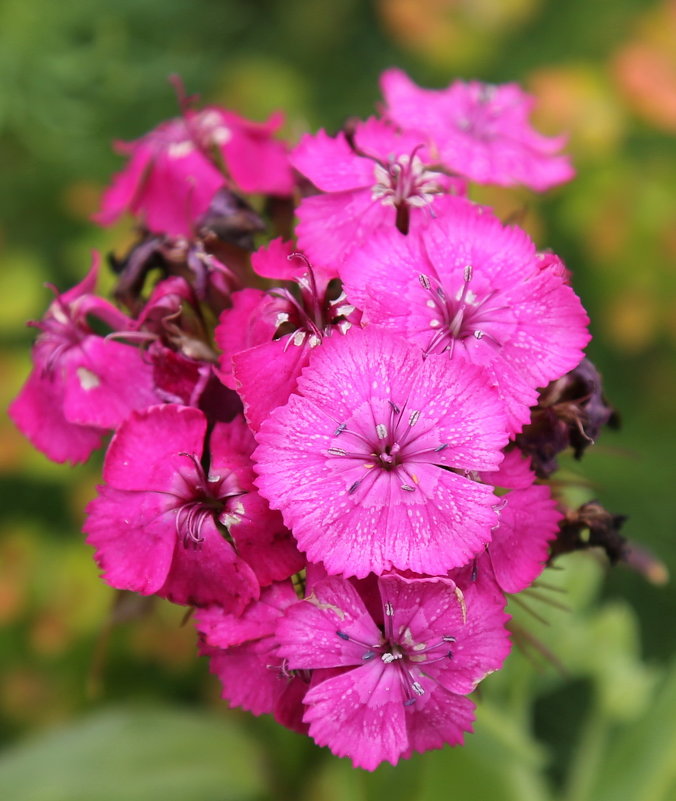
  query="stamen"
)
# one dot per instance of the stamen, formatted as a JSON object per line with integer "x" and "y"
{"x": 348, "y": 638}
{"x": 447, "y": 655}
{"x": 390, "y": 657}
{"x": 345, "y": 311}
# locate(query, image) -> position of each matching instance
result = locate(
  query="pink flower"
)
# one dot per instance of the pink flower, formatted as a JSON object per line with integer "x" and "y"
{"x": 477, "y": 290}
{"x": 173, "y": 175}
{"x": 267, "y": 338}
{"x": 395, "y": 680}
{"x": 257, "y": 162}
{"x": 380, "y": 179}
{"x": 179, "y": 516}
{"x": 369, "y": 461}
{"x": 479, "y": 130}
{"x": 242, "y": 651}
{"x": 82, "y": 384}
{"x": 528, "y": 520}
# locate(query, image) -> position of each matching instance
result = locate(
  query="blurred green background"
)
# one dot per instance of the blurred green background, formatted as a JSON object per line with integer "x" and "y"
{"x": 103, "y": 697}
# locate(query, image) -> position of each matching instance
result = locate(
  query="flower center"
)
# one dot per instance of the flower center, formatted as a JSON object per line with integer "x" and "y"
{"x": 482, "y": 115}
{"x": 204, "y": 496}
{"x": 405, "y": 180}
{"x": 391, "y": 447}
{"x": 460, "y": 316}
{"x": 398, "y": 651}
{"x": 312, "y": 313}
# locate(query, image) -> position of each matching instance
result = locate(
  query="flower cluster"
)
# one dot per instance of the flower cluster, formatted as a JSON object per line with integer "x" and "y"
{"x": 331, "y": 440}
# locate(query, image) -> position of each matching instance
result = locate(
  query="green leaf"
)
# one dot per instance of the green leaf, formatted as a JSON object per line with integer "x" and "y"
{"x": 154, "y": 754}
{"x": 641, "y": 762}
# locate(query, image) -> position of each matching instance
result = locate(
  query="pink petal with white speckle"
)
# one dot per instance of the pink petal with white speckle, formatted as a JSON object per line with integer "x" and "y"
{"x": 438, "y": 718}
{"x": 308, "y": 633}
{"x": 145, "y": 453}
{"x": 266, "y": 375}
{"x": 347, "y": 506}
{"x": 38, "y": 413}
{"x": 360, "y": 714}
{"x": 330, "y": 163}
{"x": 134, "y": 538}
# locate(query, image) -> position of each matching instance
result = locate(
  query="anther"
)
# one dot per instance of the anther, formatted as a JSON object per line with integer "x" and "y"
{"x": 408, "y": 488}
{"x": 424, "y": 281}
{"x": 336, "y": 452}
{"x": 441, "y": 447}
{"x": 468, "y": 273}
{"x": 381, "y": 431}
{"x": 340, "y": 429}
{"x": 414, "y": 417}
{"x": 389, "y": 609}
{"x": 418, "y": 688}
{"x": 353, "y": 487}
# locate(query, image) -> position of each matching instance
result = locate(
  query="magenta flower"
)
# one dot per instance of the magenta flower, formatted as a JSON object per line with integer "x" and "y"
{"x": 180, "y": 517}
{"x": 384, "y": 179}
{"x": 82, "y": 384}
{"x": 480, "y": 131}
{"x": 267, "y": 339}
{"x": 173, "y": 173}
{"x": 242, "y": 651}
{"x": 528, "y": 520}
{"x": 398, "y": 677}
{"x": 370, "y": 462}
{"x": 477, "y": 290}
